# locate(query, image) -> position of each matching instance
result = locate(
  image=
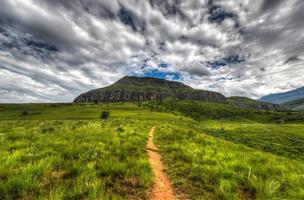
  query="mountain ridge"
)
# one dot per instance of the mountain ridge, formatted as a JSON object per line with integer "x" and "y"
{"x": 137, "y": 89}
{"x": 279, "y": 98}
{"x": 245, "y": 102}
{"x": 130, "y": 88}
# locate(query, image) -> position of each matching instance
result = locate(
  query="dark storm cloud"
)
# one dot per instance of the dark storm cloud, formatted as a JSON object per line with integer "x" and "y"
{"x": 19, "y": 44}
{"x": 218, "y": 14}
{"x": 53, "y": 50}
{"x": 129, "y": 19}
{"x": 43, "y": 27}
{"x": 168, "y": 7}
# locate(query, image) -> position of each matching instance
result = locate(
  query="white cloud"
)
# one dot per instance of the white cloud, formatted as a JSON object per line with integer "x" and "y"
{"x": 53, "y": 50}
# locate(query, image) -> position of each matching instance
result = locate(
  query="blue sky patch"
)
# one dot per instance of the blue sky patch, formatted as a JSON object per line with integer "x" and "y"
{"x": 160, "y": 75}
{"x": 163, "y": 65}
{"x": 163, "y": 75}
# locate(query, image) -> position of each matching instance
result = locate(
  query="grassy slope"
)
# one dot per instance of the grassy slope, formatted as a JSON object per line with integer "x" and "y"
{"x": 147, "y": 88}
{"x": 63, "y": 151}
{"x": 284, "y": 139}
{"x": 244, "y": 102}
{"x": 212, "y": 168}
{"x": 141, "y": 84}
{"x": 204, "y": 110}
{"x": 295, "y": 105}
{"x": 202, "y": 166}
{"x": 73, "y": 159}
{"x": 75, "y": 111}
{"x": 208, "y": 168}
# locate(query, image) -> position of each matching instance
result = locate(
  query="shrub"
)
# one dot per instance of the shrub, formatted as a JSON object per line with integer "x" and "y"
{"x": 48, "y": 130}
{"x": 281, "y": 121}
{"x": 105, "y": 115}
{"x": 24, "y": 113}
{"x": 121, "y": 130}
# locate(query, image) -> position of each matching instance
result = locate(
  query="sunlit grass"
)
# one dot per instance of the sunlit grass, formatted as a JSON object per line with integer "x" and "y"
{"x": 59, "y": 151}
{"x": 209, "y": 168}
{"x": 74, "y": 159}
{"x": 281, "y": 139}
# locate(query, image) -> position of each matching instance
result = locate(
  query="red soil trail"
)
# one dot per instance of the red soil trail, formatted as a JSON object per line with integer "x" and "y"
{"x": 162, "y": 188}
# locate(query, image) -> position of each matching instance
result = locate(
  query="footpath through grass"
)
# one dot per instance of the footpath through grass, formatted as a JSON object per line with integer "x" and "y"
{"x": 205, "y": 167}
{"x": 63, "y": 151}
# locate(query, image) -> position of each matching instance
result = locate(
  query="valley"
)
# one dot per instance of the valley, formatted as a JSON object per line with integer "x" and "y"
{"x": 151, "y": 100}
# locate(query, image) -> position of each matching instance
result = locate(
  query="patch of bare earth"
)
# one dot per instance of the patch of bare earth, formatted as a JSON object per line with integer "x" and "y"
{"x": 162, "y": 188}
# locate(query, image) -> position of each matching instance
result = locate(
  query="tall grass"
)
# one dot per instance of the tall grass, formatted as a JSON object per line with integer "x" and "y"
{"x": 74, "y": 159}
{"x": 284, "y": 139}
{"x": 63, "y": 151}
{"x": 210, "y": 168}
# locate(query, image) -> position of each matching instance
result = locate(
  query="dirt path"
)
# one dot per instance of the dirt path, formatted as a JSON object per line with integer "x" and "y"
{"x": 162, "y": 188}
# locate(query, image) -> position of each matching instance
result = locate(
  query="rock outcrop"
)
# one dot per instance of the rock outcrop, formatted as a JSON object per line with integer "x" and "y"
{"x": 132, "y": 89}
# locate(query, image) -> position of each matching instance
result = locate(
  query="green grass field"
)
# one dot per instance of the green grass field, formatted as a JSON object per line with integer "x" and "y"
{"x": 64, "y": 151}
{"x": 205, "y": 167}
{"x": 281, "y": 139}
{"x": 73, "y": 159}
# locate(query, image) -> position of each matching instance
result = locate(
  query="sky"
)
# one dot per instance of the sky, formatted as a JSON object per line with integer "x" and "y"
{"x": 53, "y": 50}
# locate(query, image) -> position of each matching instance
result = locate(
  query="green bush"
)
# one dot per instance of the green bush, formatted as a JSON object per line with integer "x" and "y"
{"x": 24, "y": 113}
{"x": 105, "y": 115}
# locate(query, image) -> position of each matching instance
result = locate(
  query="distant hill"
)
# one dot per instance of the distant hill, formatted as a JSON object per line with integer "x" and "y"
{"x": 280, "y": 98}
{"x": 244, "y": 102}
{"x": 134, "y": 89}
{"x": 297, "y": 105}
{"x": 138, "y": 89}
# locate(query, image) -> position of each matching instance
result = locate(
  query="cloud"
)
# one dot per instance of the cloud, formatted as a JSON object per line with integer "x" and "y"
{"x": 53, "y": 50}
{"x": 270, "y": 4}
{"x": 292, "y": 59}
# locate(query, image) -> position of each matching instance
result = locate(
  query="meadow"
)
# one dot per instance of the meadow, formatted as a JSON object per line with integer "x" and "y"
{"x": 281, "y": 139}
{"x": 64, "y": 151}
{"x": 59, "y": 151}
{"x": 74, "y": 159}
{"x": 206, "y": 167}
{"x": 200, "y": 111}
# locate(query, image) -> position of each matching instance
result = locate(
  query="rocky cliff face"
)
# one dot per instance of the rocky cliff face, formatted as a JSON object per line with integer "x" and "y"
{"x": 130, "y": 89}
{"x": 123, "y": 95}
{"x": 118, "y": 96}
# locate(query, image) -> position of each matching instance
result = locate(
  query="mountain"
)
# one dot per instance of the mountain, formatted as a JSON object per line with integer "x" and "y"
{"x": 280, "y": 98}
{"x": 297, "y": 105}
{"x": 129, "y": 89}
{"x": 244, "y": 102}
